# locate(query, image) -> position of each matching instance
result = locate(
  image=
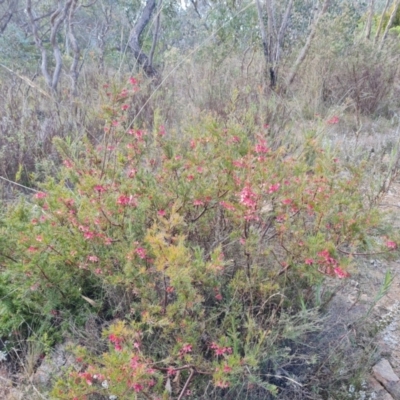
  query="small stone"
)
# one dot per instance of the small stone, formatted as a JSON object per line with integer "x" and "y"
{"x": 384, "y": 373}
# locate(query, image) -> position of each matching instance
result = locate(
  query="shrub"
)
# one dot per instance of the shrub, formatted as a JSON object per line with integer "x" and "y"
{"x": 212, "y": 240}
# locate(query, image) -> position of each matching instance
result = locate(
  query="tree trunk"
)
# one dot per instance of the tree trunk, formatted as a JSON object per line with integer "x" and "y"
{"x": 390, "y": 22}
{"x": 369, "y": 21}
{"x": 381, "y": 20}
{"x": 134, "y": 38}
{"x": 307, "y": 46}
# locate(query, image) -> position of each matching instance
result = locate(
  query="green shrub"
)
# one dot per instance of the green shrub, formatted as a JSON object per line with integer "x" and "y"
{"x": 207, "y": 239}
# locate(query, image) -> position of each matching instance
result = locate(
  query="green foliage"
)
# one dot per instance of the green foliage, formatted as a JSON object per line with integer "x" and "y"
{"x": 207, "y": 233}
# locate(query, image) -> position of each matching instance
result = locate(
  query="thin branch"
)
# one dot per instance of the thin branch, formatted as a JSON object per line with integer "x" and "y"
{"x": 192, "y": 371}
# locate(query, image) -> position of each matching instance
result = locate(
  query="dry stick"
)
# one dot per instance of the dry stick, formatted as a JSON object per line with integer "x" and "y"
{"x": 390, "y": 23}
{"x": 18, "y": 184}
{"x": 186, "y": 384}
{"x": 381, "y": 21}
{"x": 369, "y": 21}
{"x": 307, "y": 46}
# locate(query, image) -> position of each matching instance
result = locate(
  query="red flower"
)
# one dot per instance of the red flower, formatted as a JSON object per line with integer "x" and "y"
{"x": 334, "y": 120}
{"x": 100, "y": 188}
{"x": 126, "y": 200}
{"x": 274, "y": 188}
{"x": 227, "y": 206}
{"x": 340, "y": 273}
{"x": 248, "y": 197}
{"x": 40, "y": 195}
{"x": 261, "y": 147}
{"x": 391, "y": 245}
{"x": 137, "y": 387}
{"x": 141, "y": 252}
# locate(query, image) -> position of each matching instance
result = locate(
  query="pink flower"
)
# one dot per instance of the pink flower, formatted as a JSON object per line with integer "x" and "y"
{"x": 134, "y": 362}
{"x": 334, "y": 120}
{"x": 227, "y": 206}
{"x": 126, "y": 200}
{"x": 236, "y": 139}
{"x": 99, "y": 188}
{"x": 286, "y": 201}
{"x": 171, "y": 371}
{"x": 161, "y": 213}
{"x": 141, "y": 252}
{"x": 227, "y": 369}
{"x": 137, "y": 387}
{"x": 133, "y": 81}
{"x": 391, "y": 245}
{"x": 190, "y": 178}
{"x": 88, "y": 377}
{"x": 93, "y": 259}
{"x": 40, "y": 195}
{"x": 124, "y": 107}
{"x": 89, "y": 235}
{"x": 198, "y": 202}
{"x": 261, "y": 147}
{"x": 274, "y": 188}
{"x": 132, "y": 172}
{"x": 67, "y": 164}
{"x": 239, "y": 163}
{"x": 248, "y": 197}
{"x": 340, "y": 273}
{"x": 186, "y": 348}
{"x": 222, "y": 384}
{"x": 218, "y": 296}
{"x": 161, "y": 130}
{"x": 309, "y": 261}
